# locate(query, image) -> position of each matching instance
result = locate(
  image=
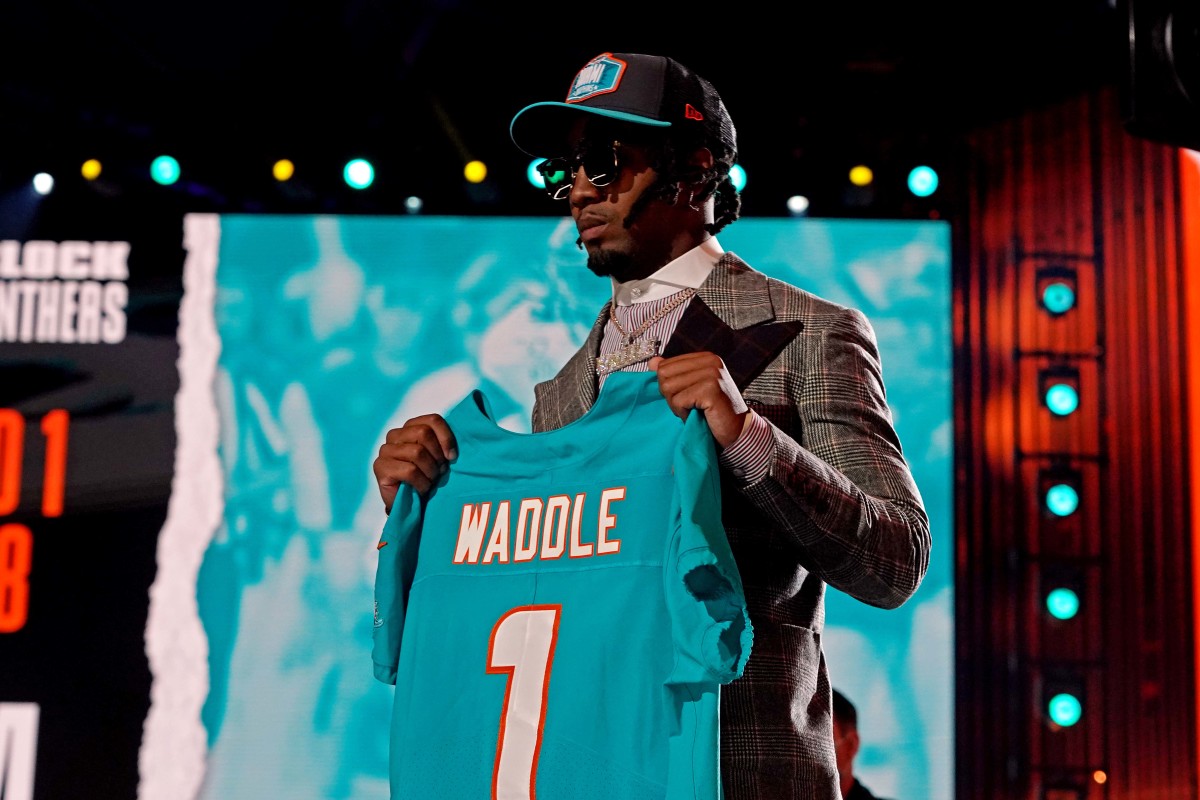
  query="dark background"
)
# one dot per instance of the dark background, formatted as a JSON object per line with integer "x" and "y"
{"x": 422, "y": 87}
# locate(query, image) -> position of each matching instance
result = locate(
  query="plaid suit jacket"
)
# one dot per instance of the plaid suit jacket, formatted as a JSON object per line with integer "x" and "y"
{"x": 838, "y": 506}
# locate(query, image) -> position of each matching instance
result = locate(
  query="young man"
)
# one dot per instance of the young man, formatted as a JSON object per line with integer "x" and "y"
{"x": 815, "y": 488}
{"x": 845, "y": 744}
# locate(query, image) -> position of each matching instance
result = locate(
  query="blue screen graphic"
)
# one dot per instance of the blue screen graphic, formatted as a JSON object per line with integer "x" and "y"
{"x": 334, "y": 329}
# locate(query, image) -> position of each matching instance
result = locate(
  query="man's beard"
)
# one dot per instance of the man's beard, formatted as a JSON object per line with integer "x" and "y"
{"x": 612, "y": 264}
{"x": 625, "y": 266}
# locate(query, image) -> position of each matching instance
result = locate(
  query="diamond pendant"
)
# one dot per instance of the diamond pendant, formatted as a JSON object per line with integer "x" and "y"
{"x": 632, "y": 353}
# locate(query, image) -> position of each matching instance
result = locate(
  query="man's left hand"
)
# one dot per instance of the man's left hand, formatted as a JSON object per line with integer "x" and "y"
{"x": 700, "y": 380}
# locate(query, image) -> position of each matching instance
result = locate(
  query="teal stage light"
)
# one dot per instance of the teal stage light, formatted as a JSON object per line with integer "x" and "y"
{"x": 1062, "y": 399}
{"x": 1064, "y": 709}
{"x": 1058, "y": 297}
{"x": 164, "y": 170}
{"x": 1062, "y": 500}
{"x": 738, "y": 176}
{"x": 359, "y": 174}
{"x": 533, "y": 176}
{"x": 1062, "y": 603}
{"x": 922, "y": 181}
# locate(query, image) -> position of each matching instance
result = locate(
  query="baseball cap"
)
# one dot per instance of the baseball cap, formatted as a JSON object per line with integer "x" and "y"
{"x": 656, "y": 91}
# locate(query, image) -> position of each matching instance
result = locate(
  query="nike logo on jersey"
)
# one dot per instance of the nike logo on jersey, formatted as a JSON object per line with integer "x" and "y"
{"x": 545, "y": 529}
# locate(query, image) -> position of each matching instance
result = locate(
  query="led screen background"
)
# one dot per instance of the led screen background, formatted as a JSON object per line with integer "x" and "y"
{"x": 304, "y": 338}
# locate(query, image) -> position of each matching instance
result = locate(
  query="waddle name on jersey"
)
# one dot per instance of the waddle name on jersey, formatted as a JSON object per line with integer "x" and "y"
{"x": 536, "y": 528}
{"x": 63, "y": 292}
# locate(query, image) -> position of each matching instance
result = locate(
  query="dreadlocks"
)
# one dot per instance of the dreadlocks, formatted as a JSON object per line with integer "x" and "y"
{"x": 668, "y": 158}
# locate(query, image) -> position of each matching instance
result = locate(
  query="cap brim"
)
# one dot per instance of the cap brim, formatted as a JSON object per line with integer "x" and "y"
{"x": 541, "y": 129}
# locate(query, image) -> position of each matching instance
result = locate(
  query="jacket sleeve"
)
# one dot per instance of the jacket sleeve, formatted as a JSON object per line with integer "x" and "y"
{"x": 841, "y": 487}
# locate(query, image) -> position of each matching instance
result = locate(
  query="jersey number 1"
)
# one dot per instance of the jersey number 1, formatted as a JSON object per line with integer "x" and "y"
{"x": 522, "y": 646}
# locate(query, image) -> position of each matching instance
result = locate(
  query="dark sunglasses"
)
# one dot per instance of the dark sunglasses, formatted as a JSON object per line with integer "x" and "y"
{"x": 600, "y": 166}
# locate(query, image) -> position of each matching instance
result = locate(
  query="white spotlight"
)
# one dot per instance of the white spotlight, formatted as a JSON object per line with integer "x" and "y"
{"x": 43, "y": 183}
{"x": 798, "y": 204}
{"x": 413, "y": 204}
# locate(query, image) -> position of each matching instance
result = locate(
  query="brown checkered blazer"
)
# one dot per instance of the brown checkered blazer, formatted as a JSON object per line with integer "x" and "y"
{"x": 838, "y": 505}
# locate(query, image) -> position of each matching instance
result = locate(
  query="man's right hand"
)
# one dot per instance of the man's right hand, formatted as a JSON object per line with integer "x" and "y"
{"x": 417, "y": 454}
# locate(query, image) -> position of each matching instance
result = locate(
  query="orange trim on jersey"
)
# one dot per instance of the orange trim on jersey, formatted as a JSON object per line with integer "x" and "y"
{"x": 471, "y": 521}
{"x": 534, "y": 527}
{"x": 547, "y": 536}
{"x": 541, "y": 726}
{"x": 577, "y": 548}
{"x": 503, "y": 514}
{"x": 601, "y": 528}
{"x": 508, "y": 682}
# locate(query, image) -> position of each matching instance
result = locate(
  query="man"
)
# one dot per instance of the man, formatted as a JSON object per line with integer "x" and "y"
{"x": 815, "y": 489}
{"x": 845, "y": 744}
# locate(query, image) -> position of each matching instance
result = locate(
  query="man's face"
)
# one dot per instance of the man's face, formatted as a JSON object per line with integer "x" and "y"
{"x": 626, "y": 234}
{"x": 845, "y": 746}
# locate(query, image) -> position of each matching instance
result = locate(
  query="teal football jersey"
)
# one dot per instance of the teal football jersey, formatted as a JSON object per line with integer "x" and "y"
{"x": 560, "y": 613}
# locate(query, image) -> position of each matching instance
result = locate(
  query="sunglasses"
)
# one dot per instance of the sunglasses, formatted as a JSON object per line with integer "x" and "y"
{"x": 600, "y": 166}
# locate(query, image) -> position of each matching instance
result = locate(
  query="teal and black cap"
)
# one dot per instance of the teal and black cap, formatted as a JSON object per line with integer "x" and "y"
{"x": 630, "y": 87}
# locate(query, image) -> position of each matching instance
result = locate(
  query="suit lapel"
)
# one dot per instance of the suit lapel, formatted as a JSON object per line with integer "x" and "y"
{"x": 732, "y": 316}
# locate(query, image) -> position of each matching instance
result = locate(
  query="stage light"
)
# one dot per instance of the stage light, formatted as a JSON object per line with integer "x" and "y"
{"x": 43, "y": 183}
{"x": 90, "y": 169}
{"x": 861, "y": 175}
{"x": 1062, "y": 500}
{"x": 1064, "y": 709}
{"x": 1059, "y": 388}
{"x": 1056, "y": 289}
{"x": 164, "y": 170}
{"x": 1062, "y": 603}
{"x": 1062, "y": 399}
{"x": 413, "y": 204}
{"x": 475, "y": 171}
{"x": 283, "y": 170}
{"x": 922, "y": 181}
{"x": 1058, "y": 298}
{"x": 533, "y": 176}
{"x": 1063, "y": 696}
{"x": 1058, "y": 485}
{"x": 738, "y": 176}
{"x": 359, "y": 174}
{"x": 1100, "y": 776}
{"x": 797, "y": 204}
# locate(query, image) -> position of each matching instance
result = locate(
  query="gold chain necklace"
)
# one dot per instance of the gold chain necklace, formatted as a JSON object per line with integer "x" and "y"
{"x": 632, "y": 351}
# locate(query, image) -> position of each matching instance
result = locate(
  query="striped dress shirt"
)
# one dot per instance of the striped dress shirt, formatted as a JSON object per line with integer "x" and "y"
{"x": 635, "y": 302}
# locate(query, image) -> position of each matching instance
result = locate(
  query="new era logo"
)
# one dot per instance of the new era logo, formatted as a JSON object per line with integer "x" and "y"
{"x": 690, "y": 112}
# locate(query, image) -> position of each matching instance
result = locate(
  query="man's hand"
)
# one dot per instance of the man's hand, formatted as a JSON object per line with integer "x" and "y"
{"x": 700, "y": 380}
{"x": 416, "y": 454}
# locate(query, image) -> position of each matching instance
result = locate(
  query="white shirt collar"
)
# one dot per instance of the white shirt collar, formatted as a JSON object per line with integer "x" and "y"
{"x": 686, "y": 272}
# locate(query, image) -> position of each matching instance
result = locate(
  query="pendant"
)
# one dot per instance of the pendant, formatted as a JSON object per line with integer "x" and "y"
{"x": 632, "y": 353}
